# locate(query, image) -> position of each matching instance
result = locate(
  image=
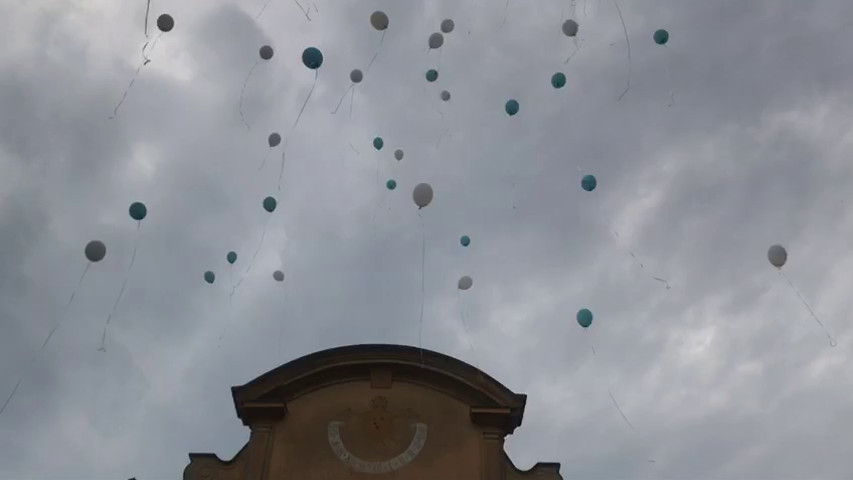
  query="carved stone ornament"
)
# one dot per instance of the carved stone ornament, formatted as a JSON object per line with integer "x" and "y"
{"x": 381, "y": 434}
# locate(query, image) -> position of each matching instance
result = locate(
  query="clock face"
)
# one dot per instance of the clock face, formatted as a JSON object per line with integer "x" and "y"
{"x": 384, "y": 442}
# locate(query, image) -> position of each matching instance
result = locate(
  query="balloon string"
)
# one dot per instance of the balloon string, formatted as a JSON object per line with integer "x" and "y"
{"x": 381, "y": 40}
{"x": 243, "y": 92}
{"x": 669, "y": 82}
{"x": 342, "y": 98}
{"x": 351, "y": 102}
{"x": 262, "y": 9}
{"x": 832, "y": 342}
{"x": 293, "y": 129}
{"x": 616, "y": 404}
{"x": 506, "y": 8}
{"x": 147, "y": 10}
{"x": 303, "y": 9}
{"x": 47, "y": 339}
{"x": 121, "y": 292}
{"x": 281, "y": 328}
{"x": 231, "y": 281}
{"x": 465, "y": 326}
{"x": 264, "y": 161}
{"x": 628, "y": 43}
{"x": 145, "y": 59}
{"x": 252, "y": 261}
{"x": 643, "y": 267}
{"x": 423, "y": 295}
{"x": 577, "y": 49}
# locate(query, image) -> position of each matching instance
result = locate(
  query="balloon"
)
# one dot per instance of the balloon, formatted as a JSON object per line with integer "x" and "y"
{"x": 266, "y": 52}
{"x": 422, "y": 195}
{"x": 391, "y": 184}
{"x": 312, "y": 58}
{"x": 777, "y": 256}
{"x": 378, "y": 143}
{"x": 356, "y": 76}
{"x": 138, "y": 211}
{"x": 274, "y": 139}
{"x": 231, "y": 257}
{"x": 436, "y": 40}
{"x": 558, "y": 80}
{"x": 511, "y": 107}
{"x": 269, "y": 204}
{"x": 278, "y": 275}
{"x": 447, "y": 25}
{"x": 209, "y": 277}
{"x": 379, "y": 20}
{"x": 445, "y": 95}
{"x": 398, "y": 154}
{"x": 432, "y": 75}
{"x": 584, "y": 318}
{"x": 589, "y": 183}
{"x": 165, "y": 22}
{"x": 661, "y": 37}
{"x": 465, "y": 240}
{"x": 465, "y": 283}
{"x": 570, "y": 28}
{"x": 95, "y": 251}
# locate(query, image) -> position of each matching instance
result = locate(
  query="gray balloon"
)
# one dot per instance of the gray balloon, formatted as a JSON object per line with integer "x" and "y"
{"x": 356, "y": 76}
{"x": 266, "y": 52}
{"x": 777, "y": 255}
{"x": 398, "y": 154}
{"x": 447, "y": 25}
{"x": 570, "y": 28}
{"x": 422, "y": 195}
{"x": 445, "y": 95}
{"x": 273, "y": 140}
{"x": 436, "y": 40}
{"x": 465, "y": 283}
{"x": 379, "y": 20}
{"x": 95, "y": 251}
{"x": 278, "y": 275}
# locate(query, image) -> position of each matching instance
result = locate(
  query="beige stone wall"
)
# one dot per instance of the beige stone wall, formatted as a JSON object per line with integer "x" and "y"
{"x": 301, "y": 449}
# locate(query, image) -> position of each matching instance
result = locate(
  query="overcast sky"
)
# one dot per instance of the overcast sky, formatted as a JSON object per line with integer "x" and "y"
{"x": 725, "y": 375}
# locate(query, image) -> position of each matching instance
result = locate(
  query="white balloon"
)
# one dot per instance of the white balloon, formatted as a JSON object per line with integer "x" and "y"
{"x": 398, "y": 154}
{"x": 379, "y": 20}
{"x": 445, "y": 95}
{"x": 422, "y": 195}
{"x": 447, "y": 25}
{"x": 436, "y": 40}
{"x": 570, "y": 28}
{"x": 356, "y": 76}
{"x": 777, "y": 255}
{"x": 465, "y": 283}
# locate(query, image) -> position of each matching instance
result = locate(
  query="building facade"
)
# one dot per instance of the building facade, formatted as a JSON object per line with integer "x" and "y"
{"x": 373, "y": 412}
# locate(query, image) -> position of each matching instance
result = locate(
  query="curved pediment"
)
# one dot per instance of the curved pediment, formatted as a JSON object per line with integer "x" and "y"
{"x": 379, "y": 364}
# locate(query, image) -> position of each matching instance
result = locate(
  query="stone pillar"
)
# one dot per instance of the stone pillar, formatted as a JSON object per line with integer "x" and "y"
{"x": 261, "y": 419}
{"x": 492, "y": 455}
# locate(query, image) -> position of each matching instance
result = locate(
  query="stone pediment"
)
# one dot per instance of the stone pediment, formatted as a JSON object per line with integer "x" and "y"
{"x": 373, "y": 410}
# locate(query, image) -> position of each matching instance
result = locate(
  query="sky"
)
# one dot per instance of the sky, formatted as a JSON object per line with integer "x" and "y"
{"x": 732, "y": 137}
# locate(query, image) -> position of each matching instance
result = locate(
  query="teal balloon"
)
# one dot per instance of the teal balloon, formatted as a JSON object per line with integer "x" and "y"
{"x": 209, "y": 277}
{"x": 391, "y": 184}
{"x": 511, "y": 107}
{"x": 584, "y": 318}
{"x": 589, "y": 183}
{"x": 558, "y": 80}
{"x": 312, "y": 58}
{"x": 465, "y": 240}
{"x": 432, "y": 75}
{"x": 661, "y": 37}
{"x": 138, "y": 211}
{"x": 378, "y": 143}
{"x": 269, "y": 204}
{"x": 231, "y": 257}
